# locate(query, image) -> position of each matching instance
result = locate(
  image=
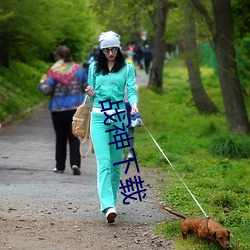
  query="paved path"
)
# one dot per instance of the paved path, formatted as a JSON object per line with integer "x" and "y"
{"x": 29, "y": 189}
{"x": 141, "y": 78}
{"x": 27, "y": 160}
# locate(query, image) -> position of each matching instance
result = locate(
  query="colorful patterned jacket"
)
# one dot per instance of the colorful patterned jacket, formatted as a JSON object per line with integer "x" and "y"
{"x": 65, "y": 84}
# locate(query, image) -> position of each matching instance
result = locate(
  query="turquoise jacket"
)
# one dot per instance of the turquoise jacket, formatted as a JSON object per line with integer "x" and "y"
{"x": 113, "y": 86}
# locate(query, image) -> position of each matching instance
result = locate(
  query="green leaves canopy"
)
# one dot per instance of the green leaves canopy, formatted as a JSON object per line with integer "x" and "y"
{"x": 32, "y": 30}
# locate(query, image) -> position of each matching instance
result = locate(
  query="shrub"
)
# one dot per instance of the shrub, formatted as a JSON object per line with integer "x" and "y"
{"x": 231, "y": 146}
{"x": 223, "y": 200}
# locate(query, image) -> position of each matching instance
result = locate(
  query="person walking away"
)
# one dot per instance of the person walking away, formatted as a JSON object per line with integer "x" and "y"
{"x": 147, "y": 54}
{"x": 108, "y": 78}
{"x": 65, "y": 84}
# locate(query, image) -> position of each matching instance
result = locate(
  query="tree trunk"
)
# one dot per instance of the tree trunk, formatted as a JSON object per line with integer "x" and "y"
{"x": 201, "y": 99}
{"x": 235, "y": 109}
{"x": 223, "y": 38}
{"x": 159, "y": 47}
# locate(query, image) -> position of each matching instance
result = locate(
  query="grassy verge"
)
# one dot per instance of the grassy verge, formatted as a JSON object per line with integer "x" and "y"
{"x": 19, "y": 88}
{"x": 214, "y": 164}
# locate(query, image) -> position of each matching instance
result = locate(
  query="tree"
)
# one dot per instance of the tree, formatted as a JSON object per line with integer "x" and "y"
{"x": 159, "y": 46}
{"x": 28, "y": 33}
{"x": 223, "y": 38}
{"x": 201, "y": 99}
{"x": 126, "y": 17}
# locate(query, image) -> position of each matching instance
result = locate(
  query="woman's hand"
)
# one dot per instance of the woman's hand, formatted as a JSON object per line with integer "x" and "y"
{"x": 134, "y": 109}
{"x": 43, "y": 79}
{"x": 90, "y": 91}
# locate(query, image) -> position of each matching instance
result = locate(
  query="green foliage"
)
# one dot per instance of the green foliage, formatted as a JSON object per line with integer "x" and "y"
{"x": 243, "y": 59}
{"x": 241, "y": 17}
{"x": 127, "y": 17}
{"x": 175, "y": 28}
{"x": 219, "y": 183}
{"x": 19, "y": 87}
{"x": 231, "y": 146}
{"x": 29, "y": 33}
{"x": 175, "y": 25}
{"x": 224, "y": 200}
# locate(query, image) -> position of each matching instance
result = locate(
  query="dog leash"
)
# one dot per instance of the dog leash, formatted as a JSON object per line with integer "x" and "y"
{"x": 174, "y": 170}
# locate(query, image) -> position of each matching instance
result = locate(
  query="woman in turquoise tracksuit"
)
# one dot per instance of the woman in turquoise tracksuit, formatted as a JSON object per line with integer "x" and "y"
{"x": 108, "y": 77}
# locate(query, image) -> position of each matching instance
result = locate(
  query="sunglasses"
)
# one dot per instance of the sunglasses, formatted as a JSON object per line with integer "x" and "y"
{"x": 106, "y": 51}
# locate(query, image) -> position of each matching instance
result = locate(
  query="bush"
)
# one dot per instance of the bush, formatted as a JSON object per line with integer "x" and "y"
{"x": 19, "y": 88}
{"x": 231, "y": 146}
{"x": 224, "y": 200}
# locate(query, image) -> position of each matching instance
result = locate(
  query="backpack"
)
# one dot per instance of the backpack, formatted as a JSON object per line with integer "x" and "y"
{"x": 81, "y": 126}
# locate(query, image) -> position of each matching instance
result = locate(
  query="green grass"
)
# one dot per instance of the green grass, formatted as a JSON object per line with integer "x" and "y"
{"x": 19, "y": 88}
{"x": 214, "y": 164}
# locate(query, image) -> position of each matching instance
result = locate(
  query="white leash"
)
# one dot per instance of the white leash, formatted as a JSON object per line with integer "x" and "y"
{"x": 174, "y": 170}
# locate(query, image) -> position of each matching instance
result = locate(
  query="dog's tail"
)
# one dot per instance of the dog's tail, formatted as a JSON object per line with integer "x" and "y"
{"x": 175, "y": 213}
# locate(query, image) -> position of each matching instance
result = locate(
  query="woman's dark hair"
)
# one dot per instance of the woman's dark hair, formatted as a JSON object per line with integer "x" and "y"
{"x": 102, "y": 67}
{"x": 63, "y": 52}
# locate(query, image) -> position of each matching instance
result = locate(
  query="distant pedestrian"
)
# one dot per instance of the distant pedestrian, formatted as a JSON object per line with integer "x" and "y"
{"x": 65, "y": 84}
{"x": 138, "y": 56}
{"x": 147, "y": 55}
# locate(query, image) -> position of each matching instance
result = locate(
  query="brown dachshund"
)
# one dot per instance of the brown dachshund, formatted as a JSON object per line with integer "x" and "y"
{"x": 204, "y": 229}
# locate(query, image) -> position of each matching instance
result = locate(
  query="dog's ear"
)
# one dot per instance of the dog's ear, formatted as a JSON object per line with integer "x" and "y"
{"x": 214, "y": 235}
{"x": 228, "y": 237}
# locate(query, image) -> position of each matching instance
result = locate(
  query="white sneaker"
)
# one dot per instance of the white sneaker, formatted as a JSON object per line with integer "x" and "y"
{"x": 58, "y": 171}
{"x": 129, "y": 156}
{"x": 111, "y": 214}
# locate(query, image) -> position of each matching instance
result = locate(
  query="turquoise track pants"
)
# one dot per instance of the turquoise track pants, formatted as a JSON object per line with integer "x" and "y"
{"x": 108, "y": 176}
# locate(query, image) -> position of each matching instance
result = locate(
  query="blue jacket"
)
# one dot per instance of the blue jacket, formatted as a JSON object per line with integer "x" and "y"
{"x": 65, "y": 97}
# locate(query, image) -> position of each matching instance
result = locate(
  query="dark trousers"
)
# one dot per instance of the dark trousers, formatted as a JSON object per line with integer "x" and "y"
{"x": 147, "y": 65}
{"x": 62, "y": 122}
